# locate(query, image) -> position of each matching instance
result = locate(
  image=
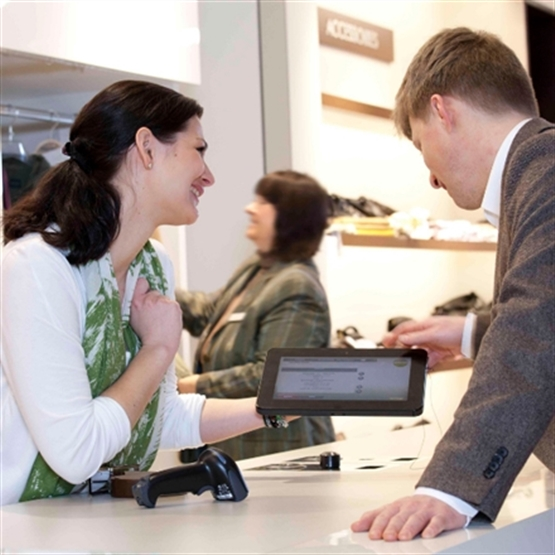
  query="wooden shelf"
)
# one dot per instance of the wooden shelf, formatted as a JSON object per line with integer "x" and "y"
{"x": 354, "y": 240}
{"x": 357, "y": 107}
{"x": 452, "y": 365}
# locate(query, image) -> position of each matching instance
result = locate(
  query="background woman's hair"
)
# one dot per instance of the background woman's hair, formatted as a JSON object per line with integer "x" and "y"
{"x": 474, "y": 66}
{"x": 75, "y": 206}
{"x": 303, "y": 211}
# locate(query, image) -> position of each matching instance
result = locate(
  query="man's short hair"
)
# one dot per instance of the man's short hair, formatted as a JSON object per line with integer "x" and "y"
{"x": 473, "y": 66}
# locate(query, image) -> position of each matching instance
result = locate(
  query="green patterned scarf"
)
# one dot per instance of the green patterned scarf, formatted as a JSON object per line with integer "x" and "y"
{"x": 109, "y": 344}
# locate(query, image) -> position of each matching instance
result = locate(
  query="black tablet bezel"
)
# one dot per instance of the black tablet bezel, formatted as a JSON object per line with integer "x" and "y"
{"x": 412, "y": 406}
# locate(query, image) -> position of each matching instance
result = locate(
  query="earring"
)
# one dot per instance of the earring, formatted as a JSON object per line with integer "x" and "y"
{"x": 149, "y": 165}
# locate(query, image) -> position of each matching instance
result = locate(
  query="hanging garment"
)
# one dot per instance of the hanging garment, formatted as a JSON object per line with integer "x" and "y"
{"x": 51, "y": 149}
{"x": 23, "y": 175}
{"x": 6, "y": 198}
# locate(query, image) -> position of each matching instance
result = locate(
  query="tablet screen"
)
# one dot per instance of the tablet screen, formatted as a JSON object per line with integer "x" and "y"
{"x": 358, "y": 377}
{"x": 343, "y": 381}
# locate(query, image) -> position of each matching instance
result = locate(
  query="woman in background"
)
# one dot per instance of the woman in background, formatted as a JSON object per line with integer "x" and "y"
{"x": 274, "y": 299}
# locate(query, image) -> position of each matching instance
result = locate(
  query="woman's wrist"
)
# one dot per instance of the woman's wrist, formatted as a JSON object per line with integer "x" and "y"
{"x": 160, "y": 355}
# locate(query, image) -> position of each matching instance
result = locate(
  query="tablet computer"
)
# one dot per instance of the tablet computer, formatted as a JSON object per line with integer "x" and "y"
{"x": 343, "y": 382}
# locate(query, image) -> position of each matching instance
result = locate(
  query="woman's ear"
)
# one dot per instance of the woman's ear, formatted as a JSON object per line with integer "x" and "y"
{"x": 144, "y": 141}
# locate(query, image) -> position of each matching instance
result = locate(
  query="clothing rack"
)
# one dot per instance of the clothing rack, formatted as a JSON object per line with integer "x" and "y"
{"x": 33, "y": 114}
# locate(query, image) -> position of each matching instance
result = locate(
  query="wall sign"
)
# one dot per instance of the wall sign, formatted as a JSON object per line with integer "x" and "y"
{"x": 354, "y": 35}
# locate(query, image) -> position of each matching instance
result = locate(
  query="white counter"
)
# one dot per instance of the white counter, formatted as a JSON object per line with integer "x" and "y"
{"x": 286, "y": 511}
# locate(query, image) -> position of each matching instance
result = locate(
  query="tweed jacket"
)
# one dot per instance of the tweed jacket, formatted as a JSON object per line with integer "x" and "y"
{"x": 508, "y": 410}
{"x": 287, "y": 308}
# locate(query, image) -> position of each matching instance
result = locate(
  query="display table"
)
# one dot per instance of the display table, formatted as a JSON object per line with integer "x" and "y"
{"x": 290, "y": 509}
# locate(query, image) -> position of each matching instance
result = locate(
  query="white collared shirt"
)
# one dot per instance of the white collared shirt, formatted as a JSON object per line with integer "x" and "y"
{"x": 491, "y": 204}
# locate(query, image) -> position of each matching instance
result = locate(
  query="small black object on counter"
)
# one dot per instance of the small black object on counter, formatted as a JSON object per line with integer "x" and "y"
{"x": 330, "y": 460}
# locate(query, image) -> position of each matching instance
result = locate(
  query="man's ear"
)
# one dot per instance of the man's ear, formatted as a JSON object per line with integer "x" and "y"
{"x": 442, "y": 109}
{"x": 145, "y": 142}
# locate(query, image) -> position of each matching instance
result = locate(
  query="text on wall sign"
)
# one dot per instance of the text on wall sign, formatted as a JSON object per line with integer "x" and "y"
{"x": 354, "y": 35}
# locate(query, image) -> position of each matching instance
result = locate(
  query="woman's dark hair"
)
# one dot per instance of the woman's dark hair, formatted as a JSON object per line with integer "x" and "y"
{"x": 303, "y": 212}
{"x": 75, "y": 205}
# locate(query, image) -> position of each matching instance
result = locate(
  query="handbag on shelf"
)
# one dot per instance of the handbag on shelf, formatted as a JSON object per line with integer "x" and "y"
{"x": 460, "y": 306}
{"x": 362, "y": 207}
{"x": 350, "y": 338}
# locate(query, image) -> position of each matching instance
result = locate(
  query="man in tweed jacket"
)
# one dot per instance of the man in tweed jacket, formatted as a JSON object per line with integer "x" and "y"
{"x": 468, "y": 106}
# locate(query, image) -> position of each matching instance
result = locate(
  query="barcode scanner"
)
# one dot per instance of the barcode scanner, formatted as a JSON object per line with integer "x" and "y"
{"x": 214, "y": 470}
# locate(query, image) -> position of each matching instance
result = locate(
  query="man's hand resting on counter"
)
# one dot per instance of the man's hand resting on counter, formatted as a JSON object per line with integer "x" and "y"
{"x": 407, "y": 517}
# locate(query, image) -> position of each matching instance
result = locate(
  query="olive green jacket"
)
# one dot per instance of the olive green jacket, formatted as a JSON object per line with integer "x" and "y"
{"x": 286, "y": 308}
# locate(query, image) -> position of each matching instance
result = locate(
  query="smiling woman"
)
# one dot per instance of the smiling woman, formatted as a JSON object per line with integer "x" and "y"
{"x": 178, "y": 175}
{"x": 83, "y": 284}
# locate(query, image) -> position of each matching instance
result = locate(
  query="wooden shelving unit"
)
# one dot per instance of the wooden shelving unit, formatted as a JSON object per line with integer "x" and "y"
{"x": 452, "y": 365}
{"x": 360, "y": 240}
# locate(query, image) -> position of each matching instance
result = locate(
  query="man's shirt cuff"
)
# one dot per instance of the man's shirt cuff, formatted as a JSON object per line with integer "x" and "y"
{"x": 459, "y": 505}
{"x": 467, "y": 348}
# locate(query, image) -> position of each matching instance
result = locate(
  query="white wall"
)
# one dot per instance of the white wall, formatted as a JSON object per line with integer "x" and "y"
{"x": 231, "y": 96}
{"x": 230, "y": 93}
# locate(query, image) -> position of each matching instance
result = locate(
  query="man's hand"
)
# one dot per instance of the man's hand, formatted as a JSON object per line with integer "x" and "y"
{"x": 407, "y": 517}
{"x": 441, "y": 336}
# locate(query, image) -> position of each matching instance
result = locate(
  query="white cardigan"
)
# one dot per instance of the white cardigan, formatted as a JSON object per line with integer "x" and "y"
{"x": 45, "y": 397}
